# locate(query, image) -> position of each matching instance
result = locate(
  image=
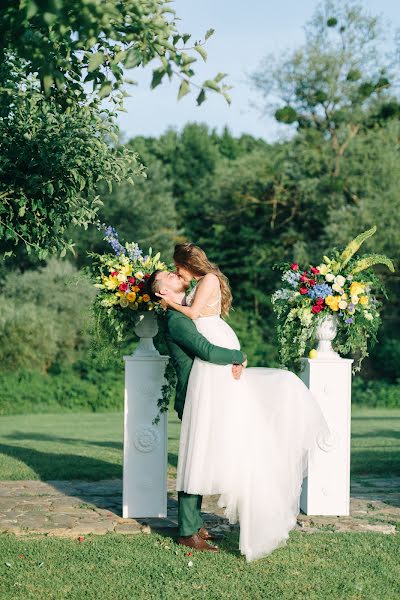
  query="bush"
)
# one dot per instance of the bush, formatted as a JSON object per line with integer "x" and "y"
{"x": 33, "y": 392}
{"x": 376, "y": 393}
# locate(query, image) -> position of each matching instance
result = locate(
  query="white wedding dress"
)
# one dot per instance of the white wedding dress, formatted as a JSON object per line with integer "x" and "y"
{"x": 247, "y": 440}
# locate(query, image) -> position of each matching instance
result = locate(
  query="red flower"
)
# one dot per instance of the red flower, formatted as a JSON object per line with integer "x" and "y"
{"x": 81, "y": 538}
{"x": 141, "y": 285}
{"x": 320, "y": 301}
{"x": 317, "y": 308}
{"x": 131, "y": 279}
{"x": 123, "y": 287}
{"x": 114, "y": 273}
{"x": 304, "y": 278}
{"x": 294, "y": 266}
{"x": 189, "y": 553}
{"x": 303, "y": 290}
{"x": 314, "y": 270}
{"x": 312, "y": 282}
{"x": 147, "y": 276}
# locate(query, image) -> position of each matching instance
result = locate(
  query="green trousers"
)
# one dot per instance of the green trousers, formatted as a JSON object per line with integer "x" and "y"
{"x": 189, "y": 518}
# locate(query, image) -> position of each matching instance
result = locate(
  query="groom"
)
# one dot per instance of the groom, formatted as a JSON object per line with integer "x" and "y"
{"x": 184, "y": 344}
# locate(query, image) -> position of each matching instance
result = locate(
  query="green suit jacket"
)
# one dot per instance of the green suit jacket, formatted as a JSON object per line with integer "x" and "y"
{"x": 184, "y": 344}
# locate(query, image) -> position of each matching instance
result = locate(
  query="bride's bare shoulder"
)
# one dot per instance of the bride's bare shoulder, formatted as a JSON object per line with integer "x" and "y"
{"x": 210, "y": 279}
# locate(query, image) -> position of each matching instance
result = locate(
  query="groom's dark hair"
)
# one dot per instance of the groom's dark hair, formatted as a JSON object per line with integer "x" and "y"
{"x": 153, "y": 286}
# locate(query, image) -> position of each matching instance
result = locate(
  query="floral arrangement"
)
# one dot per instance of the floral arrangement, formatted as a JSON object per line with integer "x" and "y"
{"x": 121, "y": 280}
{"x": 343, "y": 285}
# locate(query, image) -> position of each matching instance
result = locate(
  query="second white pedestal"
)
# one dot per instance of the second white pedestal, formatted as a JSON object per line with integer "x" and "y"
{"x": 326, "y": 489}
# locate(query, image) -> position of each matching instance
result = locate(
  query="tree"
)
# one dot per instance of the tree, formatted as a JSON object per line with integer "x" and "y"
{"x": 51, "y": 162}
{"x": 337, "y": 83}
{"x": 69, "y": 43}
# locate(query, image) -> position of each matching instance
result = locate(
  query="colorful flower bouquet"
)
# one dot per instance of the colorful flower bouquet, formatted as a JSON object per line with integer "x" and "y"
{"x": 342, "y": 285}
{"x": 121, "y": 279}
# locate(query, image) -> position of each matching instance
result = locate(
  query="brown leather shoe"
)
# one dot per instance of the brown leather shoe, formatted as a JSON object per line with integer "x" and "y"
{"x": 206, "y": 535}
{"x": 197, "y": 543}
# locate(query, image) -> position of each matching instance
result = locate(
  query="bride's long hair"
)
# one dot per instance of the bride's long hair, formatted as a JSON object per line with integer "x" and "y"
{"x": 195, "y": 260}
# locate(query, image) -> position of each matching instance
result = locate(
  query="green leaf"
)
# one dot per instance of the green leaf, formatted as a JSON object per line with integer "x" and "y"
{"x": 355, "y": 244}
{"x": 209, "y": 33}
{"x": 21, "y": 211}
{"x": 158, "y": 74}
{"x": 63, "y": 252}
{"x": 133, "y": 58}
{"x": 219, "y": 77}
{"x": 210, "y": 83}
{"x": 227, "y": 97}
{"x": 95, "y": 60}
{"x": 186, "y": 37}
{"x": 184, "y": 89}
{"x": 201, "y": 51}
{"x": 47, "y": 83}
{"x": 201, "y": 98}
{"x": 105, "y": 89}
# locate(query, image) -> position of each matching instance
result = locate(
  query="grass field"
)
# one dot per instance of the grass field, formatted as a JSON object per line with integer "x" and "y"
{"x": 89, "y": 445}
{"x": 318, "y": 566}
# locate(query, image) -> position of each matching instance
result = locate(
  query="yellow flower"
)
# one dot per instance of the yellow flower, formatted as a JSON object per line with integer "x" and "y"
{"x": 121, "y": 277}
{"x": 333, "y": 302}
{"x": 139, "y": 299}
{"x": 110, "y": 282}
{"x": 356, "y": 288}
{"x": 364, "y": 300}
{"x": 146, "y": 297}
{"x": 324, "y": 269}
{"x": 313, "y": 354}
{"x": 126, "y": 270}
{"x": 135, "y": 288}
{"x": 131, "y": 297}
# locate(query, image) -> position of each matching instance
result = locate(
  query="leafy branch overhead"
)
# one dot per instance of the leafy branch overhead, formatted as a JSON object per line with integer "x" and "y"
{"x": 70, "y": 43}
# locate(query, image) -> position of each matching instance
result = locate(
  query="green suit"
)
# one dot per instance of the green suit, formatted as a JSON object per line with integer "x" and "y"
{"x": 184, "y": 344}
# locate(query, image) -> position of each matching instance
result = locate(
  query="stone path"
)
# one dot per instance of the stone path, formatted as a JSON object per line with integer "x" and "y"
{"x": 75, "y": 508}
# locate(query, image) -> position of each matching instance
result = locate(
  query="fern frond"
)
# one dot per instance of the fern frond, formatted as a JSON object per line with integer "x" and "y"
{"x": 354, "y": 245}
{"x": 370, "y": 261}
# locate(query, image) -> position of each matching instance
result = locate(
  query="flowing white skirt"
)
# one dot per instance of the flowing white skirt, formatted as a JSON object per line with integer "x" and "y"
{"x": 249, "y": 441}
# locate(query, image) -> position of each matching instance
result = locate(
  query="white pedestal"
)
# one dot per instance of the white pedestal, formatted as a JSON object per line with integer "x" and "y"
{"x": 145, "y": 445}
{"x": 326, "y": 489}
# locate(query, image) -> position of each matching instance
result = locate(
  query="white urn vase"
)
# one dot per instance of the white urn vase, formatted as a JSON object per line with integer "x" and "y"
{"x": 326, "y": 332}
{"x": 146, "y": 328}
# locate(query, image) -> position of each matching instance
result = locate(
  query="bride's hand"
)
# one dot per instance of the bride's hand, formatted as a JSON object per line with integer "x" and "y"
{"x": 165, "y": 297}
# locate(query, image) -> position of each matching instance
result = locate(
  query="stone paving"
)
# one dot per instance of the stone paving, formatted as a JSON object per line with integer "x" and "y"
{"x": 75, "y": 508}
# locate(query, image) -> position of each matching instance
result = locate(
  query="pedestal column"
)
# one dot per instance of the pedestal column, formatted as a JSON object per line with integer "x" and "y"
{"x": 145, "y": 445}
{"x": 326, "y": 489}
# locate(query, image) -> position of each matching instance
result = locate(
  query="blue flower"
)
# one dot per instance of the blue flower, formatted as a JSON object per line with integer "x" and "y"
{"x": 111, "y": 236}
{"x": 349, "y": 321}
{"x": 321, "y": 290}
{"x": 292, "y": 278}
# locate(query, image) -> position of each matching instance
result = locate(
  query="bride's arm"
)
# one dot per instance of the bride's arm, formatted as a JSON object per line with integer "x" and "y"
{"x": 204, "y": 292}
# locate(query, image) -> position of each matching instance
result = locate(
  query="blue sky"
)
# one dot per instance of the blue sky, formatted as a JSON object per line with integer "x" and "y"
{"x": 245, "y": 32}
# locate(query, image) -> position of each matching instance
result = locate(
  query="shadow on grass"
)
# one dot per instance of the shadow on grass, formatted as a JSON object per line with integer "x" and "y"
{"x": 380, "y": 433}
{"x": 43, "y": 437}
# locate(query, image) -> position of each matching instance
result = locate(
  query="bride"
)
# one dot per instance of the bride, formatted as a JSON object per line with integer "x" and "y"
{"x": 247, "y": 440}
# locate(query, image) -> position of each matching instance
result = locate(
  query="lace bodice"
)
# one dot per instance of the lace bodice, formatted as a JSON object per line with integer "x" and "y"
{"x": 211, "y": 309}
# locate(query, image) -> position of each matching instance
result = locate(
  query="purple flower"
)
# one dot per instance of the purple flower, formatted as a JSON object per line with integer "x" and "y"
{"x": 349, "y": 321}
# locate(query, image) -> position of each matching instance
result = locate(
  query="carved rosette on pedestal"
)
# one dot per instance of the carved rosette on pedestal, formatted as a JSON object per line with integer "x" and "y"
{"x": 145, "y": 444}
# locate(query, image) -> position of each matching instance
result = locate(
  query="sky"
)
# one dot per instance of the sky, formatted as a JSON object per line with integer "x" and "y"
{"x": 245, "y": 32}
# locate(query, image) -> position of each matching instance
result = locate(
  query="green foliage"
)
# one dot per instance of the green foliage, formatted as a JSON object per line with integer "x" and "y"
{"x": 72, "y": 43}
{"x": 42, "y": 325}
{"x": 51, "y": 163}
{"x": 376, "y": 393}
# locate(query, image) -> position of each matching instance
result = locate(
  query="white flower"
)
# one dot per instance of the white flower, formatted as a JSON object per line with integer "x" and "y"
{"x": 336, "y": 288}
{"x": 329, "y": 277}
{"x": 342, "y": 304}
{"x": 121, "y": 277}
{"x": 139, "y": 275}
{"x": 368, "y": 315}
{"x": 339, "y": 279}
{"x": 354, "y": 299}
{"x": 306, "y": 317}
{"x": 190, "y": 563}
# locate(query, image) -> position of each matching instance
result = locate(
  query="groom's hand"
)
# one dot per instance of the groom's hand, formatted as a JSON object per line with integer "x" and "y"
{"x": 237, "y": 371}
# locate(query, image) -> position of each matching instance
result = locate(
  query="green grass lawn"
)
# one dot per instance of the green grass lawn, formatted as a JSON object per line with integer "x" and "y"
{"x": 89, "y": 445}
{"x": 318, "y": 566}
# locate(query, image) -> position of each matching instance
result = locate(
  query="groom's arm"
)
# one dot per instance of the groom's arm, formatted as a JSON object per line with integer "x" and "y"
{"x": 183, "y": 331}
